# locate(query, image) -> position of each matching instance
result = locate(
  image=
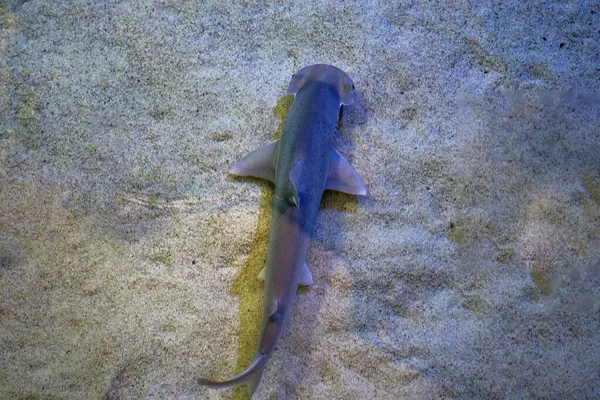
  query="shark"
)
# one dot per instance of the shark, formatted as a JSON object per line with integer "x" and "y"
{"x": 302, "y": 164}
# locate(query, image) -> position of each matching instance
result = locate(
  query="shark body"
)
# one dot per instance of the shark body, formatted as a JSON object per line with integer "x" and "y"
{"x": 302, "y": 164}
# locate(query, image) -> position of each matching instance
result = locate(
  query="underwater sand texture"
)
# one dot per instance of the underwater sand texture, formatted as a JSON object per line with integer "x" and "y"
{"x": 128, "y": 259}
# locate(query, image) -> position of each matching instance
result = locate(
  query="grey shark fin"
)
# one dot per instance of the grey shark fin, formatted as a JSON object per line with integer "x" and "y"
{"x": 250, "y": 376}
{"x": 254, "y": 381}
{"x": 295, "y": 174}
{"x": 304, "y": 279}
{"x": 259, "y": 163}
{"x": 343, "y": 177}
{"x": 305, "y": 276}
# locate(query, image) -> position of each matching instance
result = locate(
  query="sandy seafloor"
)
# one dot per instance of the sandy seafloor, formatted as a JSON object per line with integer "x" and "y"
{"x": 128, "y": 258}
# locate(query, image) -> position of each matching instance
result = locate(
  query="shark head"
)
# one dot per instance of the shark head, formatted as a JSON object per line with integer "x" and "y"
{"x": 333, "y": 76}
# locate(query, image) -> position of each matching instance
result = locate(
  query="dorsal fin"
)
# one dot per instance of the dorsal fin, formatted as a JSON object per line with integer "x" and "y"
{"x": 295, "y": 174}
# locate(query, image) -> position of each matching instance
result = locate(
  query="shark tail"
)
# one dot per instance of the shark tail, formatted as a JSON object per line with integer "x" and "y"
{"x": 250, "y": 376}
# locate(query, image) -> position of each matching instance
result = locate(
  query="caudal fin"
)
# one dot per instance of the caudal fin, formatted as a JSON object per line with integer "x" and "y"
{"x": 250, "y": 376}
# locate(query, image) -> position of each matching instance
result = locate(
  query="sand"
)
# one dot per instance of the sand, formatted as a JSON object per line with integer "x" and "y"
{"x": 128, "y": 258}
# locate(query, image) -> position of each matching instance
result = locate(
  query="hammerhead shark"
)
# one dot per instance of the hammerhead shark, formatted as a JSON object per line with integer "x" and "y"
{"x": 302, "y": 164}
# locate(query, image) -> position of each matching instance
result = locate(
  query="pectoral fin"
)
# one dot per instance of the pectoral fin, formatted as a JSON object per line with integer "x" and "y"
{"x": 260, "y": 163}
{"x": 343, "y": 177}
{"x": 305, "y": 276}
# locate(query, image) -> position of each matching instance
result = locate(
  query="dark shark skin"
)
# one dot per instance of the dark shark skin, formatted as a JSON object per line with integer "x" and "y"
{"x": 302, "y": 164}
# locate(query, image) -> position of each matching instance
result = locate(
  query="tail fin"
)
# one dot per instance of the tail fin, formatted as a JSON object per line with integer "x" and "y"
{"x": 250, "y": 376}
